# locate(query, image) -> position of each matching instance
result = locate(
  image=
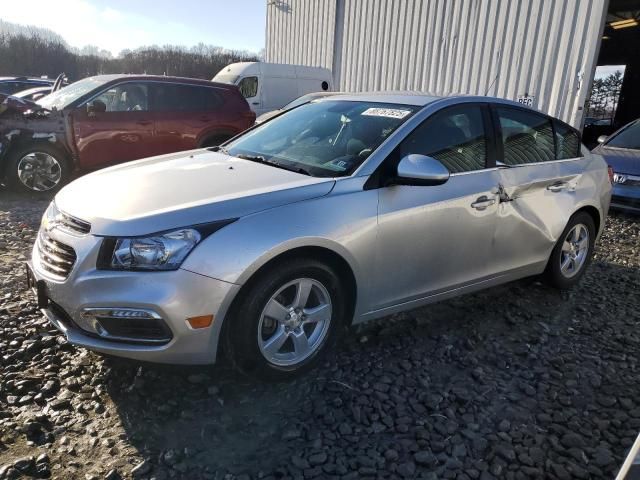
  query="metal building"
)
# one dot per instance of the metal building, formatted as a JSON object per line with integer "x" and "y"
{"x": 542, "y": 52}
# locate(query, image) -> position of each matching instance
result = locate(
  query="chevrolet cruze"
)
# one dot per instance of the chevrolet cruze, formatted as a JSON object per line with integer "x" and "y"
{"x": 342, "y": 210}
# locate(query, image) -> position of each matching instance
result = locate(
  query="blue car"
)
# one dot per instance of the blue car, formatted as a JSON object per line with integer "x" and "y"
{"x": 621, "y": 150}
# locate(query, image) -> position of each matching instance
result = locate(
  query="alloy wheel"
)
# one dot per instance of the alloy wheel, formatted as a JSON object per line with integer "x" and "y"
{"x": 575, "y": 249}
{"x": 295, "y": 321}
{"x": 39, "y": 171}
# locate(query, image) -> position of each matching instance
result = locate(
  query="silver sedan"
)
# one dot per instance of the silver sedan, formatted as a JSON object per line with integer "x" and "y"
{"x": 343, "y": 210}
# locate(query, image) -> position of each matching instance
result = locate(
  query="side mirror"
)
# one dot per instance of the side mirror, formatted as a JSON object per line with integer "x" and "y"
{"x": 602, "y": 138}
{"x": 417, "y": 169}
{"x": 97, "y": 106}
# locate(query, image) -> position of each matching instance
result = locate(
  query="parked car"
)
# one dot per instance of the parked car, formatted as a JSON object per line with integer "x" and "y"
{"x": 34, "y": 94}
{"x": 309, "y": 97}
{"x": 11, "y": 85}
{"x": 109, "y": 119}
{"x": 339, "y": 211}
{"x": 621, "y": 151}
{"x": 270, "y": 86}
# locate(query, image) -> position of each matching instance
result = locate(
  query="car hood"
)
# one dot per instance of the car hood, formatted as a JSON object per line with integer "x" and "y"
{"x": 183, "y": 189}
{"x": 622, "y": 160}
{"x": 9, "y": 103}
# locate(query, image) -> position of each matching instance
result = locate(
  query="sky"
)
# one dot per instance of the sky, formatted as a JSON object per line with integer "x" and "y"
{"x": 603, "y": 71}
{"x": 115, "y": 25}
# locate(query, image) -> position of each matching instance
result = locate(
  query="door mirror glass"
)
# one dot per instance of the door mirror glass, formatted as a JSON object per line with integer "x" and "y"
{"x": 97, "y": 106}
{"x": 415, "y": 169}
{"x": 602, "y": 138}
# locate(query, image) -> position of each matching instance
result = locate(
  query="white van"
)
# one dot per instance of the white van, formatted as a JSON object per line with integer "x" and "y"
{"x": 270, "y": 86}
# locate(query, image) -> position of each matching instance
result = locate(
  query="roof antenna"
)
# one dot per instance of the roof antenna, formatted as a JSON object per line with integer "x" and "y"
{"x": 497, "y": 75}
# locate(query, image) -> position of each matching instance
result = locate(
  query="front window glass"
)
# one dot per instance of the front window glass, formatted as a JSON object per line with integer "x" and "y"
{"x": 324, "y": 139}
{"x": 455, "y": 136}
{"x": 63, "y": 97}
{"x": 248, "y": 87}
{"x": 627, "y": 138}
{"x": 126, "y": 97}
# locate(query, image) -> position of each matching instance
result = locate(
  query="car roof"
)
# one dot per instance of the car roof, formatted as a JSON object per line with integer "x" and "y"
{"x": 23, "y": 78}
{"x": 164, "y": 78}
{"x": 415, "y": 98}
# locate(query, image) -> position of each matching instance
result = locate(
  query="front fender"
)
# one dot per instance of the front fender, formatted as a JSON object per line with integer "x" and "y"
{"x": 343, "y": 222}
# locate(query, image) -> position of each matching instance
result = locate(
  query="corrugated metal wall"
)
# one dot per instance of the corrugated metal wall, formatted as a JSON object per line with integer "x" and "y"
{"x": 505, "y": 48}
{"x": 301, "y": 32}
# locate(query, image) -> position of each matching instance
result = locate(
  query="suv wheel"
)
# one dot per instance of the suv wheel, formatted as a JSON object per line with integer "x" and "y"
{"x": 286, "y": 321}
{"x": 36, "y": 169}
{"x": 572, "y": 254}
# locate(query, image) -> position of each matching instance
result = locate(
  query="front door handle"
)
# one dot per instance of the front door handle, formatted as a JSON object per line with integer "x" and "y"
{"x": 483, "y": 202}
{"x": 557, "y": 187}
{"x": 144, "y": 123}
{"x": 255, "y": 103}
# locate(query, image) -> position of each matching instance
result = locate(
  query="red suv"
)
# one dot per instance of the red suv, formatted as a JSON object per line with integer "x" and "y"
{"x": 109, "y": 119}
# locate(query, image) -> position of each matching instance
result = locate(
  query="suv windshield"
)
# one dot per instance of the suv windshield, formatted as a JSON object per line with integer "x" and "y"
{"x": 324, "y": 139}
{"x": 63, "y": 97}
{"x": 627, "y": 138}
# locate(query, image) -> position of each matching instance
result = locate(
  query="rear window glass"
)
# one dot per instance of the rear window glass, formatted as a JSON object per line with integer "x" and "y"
{"x": 527, "y": 137}
{"x": 186, "y": 98}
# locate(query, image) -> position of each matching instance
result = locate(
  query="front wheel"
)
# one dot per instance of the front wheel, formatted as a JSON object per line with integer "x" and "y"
{"x": 572, "y": 254}
{"x": 286, "y": 320}
{"x": 38, "y": 169}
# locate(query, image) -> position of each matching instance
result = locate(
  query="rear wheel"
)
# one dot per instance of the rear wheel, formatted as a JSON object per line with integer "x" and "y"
{"x": 39, "y": 169}
{"x": 572, "y": 254}
{"x": 286, "y": 321}
{"x": 215, "y": 141}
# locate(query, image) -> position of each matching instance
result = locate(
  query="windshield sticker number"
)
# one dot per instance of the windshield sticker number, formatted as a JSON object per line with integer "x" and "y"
{"x": 386, "y": 112}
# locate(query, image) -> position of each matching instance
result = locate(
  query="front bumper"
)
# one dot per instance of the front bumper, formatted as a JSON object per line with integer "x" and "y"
{"x": 173, "y": 295}
{"x": 626, "y": 197}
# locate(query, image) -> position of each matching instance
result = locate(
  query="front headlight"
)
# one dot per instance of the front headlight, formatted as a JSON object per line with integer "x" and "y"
{"x": 159, "y": 252}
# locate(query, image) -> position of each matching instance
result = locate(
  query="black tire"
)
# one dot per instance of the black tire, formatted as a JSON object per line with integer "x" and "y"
{"x": 14, "y": 158}
{"x": 241, "y": 327}
{"x": 554, "y": 275}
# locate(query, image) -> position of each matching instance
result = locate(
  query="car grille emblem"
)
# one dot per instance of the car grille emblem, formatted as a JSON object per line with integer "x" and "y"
{"x": 619, "y": 178}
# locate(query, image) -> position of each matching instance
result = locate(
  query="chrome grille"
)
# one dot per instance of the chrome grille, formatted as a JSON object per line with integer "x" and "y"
{"x": 69, "y": 223}
{"x": 55, "y": 257}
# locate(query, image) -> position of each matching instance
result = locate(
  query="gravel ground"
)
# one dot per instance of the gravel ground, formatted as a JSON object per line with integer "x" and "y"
{"x": 517, "y": 382}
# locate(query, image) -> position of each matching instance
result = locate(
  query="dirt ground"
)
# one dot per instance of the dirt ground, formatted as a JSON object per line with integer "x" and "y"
{"x": 516, "y": 382}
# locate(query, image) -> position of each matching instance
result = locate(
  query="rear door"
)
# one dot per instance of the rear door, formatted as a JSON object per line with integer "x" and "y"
{"x": 123, "y": 131}
{"x": 540, "y": 175}
{"x": 184, "y": 114}
{"x": 435, "y": 238}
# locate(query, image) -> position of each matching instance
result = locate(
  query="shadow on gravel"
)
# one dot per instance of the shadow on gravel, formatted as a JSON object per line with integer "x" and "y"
{"x": 517, "y": 378}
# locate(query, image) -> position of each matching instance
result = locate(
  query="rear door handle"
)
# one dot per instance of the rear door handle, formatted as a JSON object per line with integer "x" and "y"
{"x": 483, "y": 202}
{"x": 255, "y": 103}
{"x": 144, "y": 122}
{"x": 557, "y": 187}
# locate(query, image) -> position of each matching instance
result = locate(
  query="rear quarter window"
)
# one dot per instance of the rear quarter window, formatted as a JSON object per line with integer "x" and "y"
{"x": 567, "y": 141}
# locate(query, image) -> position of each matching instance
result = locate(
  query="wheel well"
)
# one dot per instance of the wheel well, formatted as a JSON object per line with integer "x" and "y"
{"x": 595, "y": 215}
{"x": 23, "y": 143}
{"x": 331, "y": 258}
{"x": 215, "y": 139}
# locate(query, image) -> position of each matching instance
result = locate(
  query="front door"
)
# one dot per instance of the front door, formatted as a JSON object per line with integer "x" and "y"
{"x": 434, "y": 239}
{"x": 119, "y": 128}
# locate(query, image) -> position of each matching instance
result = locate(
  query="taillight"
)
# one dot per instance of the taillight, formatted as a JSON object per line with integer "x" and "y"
{"x": 610, "y": 170}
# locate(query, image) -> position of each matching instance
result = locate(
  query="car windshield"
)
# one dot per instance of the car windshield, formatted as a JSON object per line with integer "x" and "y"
{"x": 302, "y": 100}
{"x": 224, "y": 78}
{"x": 325, "y": 139}
{"x": 627, "y": 138}
{"x": 63, "y": 97}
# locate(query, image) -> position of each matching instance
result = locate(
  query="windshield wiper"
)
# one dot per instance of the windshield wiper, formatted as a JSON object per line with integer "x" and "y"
{"x": 273, "y": 163}
{"x": 219, "y": 148}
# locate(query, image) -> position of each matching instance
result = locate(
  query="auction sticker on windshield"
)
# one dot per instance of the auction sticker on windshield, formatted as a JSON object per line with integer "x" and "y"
{"x": 386, "y": 112}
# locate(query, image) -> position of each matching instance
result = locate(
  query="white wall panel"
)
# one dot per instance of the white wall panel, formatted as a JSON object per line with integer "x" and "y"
{"x": 505, "y": 48}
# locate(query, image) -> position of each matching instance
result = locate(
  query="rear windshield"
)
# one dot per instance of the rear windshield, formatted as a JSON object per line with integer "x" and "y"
{"x": 324, "y": 139}
{"x": 627, "y": 138}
